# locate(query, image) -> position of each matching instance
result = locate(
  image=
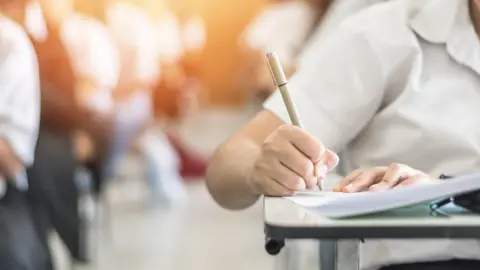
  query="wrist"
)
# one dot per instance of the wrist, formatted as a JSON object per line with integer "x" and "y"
{"x": 252, "y": 187}
{"x": 252, "y": 182}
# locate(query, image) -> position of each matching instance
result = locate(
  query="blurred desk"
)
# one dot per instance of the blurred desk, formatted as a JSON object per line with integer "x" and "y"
{"x": 286, "y": 220}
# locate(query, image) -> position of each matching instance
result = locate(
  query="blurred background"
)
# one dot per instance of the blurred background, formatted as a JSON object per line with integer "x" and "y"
{"x": 145, "y": 90}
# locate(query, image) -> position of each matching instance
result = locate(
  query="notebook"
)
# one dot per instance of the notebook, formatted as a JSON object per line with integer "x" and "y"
{"x": 339, "y": 205}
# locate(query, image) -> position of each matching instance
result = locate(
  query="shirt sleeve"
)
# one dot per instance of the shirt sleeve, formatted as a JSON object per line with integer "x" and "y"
{"x": 19, "y": 97}
{"x": 282, "y": 28}
{"x": 337, "y": 89}
{"x": 257, "y": 32}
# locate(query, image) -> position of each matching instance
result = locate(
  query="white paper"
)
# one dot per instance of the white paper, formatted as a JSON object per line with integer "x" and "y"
{"x": 313, "y": 198}
{"x": 337, "y": 205}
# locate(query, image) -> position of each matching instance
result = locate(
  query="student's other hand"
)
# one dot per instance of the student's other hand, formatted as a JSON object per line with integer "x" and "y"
{"x": 291, "y": 160}
{"x": 381, "y": 178}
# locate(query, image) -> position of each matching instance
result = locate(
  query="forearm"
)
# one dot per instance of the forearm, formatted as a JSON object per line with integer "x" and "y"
{"x": 228, "y": 173}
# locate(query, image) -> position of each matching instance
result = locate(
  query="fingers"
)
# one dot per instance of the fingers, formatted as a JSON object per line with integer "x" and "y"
{"x": 394, "y": 174}
{"x": 327, "y": 163}
{"x": 381, "y": 178}
{"x": 411, "y": 180}
{"x": 324, "y": 166}
{"x": 276, "y": 189}
{"x": 365, "y": 180}
{"x": 287, "y": 177}
{"x": 312, "y": 148}
{"x": 347, "y": 180}
{"x": 291, "y": 158}
{"x": 286, "y": 162}
{"x": 416, "y": 179}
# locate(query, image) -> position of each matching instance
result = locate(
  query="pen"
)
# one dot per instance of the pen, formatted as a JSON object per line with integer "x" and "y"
{"x": 281, "y": 82}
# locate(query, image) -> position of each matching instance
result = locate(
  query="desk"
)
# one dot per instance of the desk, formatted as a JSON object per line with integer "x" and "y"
{"x": 286, "y": 220}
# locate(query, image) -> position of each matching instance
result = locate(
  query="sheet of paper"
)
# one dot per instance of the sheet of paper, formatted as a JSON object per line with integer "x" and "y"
{"x": 313, "y": 198}
{"x": 337, "y": 205}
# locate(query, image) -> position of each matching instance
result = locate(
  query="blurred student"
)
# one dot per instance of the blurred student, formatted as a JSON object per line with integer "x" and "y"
{"x": 139, "y": 71}
{"x": 182, "y": 34}
{"x": 283, "y": 27}
{"x": 405, "y": 64}
{"x": 52, "y": 187}
{"x": 95, "y": 60}
{"x": 21, "y": 247}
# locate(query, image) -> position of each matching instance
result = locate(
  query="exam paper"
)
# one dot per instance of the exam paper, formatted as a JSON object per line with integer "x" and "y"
{"x": 338, "y": 205}
{"x": 313, "y": 198}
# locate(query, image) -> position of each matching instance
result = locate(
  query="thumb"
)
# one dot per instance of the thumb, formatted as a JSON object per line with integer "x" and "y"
{"x": 329, "y": 161}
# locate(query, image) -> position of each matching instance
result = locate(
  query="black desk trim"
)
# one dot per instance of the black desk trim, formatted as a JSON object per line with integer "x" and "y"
{"x": 373, "y": 232}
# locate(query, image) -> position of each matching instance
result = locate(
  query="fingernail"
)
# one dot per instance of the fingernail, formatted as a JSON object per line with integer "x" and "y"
{"x": 303, "y": 185}
{"x": 321, "y": 170}
{"x": 321, "y": 186}
{"x": 312, "y": 183}
{"x": 349, "y": 188}
{"x": 380, "y": 187}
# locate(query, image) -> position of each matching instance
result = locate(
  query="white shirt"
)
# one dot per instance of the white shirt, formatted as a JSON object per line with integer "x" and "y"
{"x": 170, "y": 42}
{"x": 19, "y": 94}
{"x": 336, "y": 13}
{"x": 34, "y": 22}
{"x": 398, "y": 82}
{"x": 174, "y": 39}
{"x": 193, "y": 34}
{"x": 94, "y": 55}
{"x": 135, "y": 35}
{"x": 282, "y": 28}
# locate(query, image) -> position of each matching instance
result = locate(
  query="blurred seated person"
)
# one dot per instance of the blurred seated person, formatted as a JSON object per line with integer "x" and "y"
{"x": 283, "y": 27}
{"x": 181, "y": 38}
{"x": 139, "y": 70}
{"x": 52, "y": 177}
{"x": 95, "y": 61}
{"x": 21, "y": 246}
{"x": 405, "y": 64}
{"x": 131, "y": 95}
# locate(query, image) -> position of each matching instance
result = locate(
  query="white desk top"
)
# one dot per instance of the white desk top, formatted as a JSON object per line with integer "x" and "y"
{"x": 284, "y": 213}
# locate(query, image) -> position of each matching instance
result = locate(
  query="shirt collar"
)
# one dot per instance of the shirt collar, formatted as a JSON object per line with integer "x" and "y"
{"x": 435, "y": 19}
{"x": 448, "y": 22}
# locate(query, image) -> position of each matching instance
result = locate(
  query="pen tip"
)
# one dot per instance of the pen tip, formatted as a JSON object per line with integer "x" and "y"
{"x": 269, "y": 55}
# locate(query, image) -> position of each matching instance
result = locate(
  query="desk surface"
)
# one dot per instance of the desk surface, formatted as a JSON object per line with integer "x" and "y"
{"x": 287, "y": 220}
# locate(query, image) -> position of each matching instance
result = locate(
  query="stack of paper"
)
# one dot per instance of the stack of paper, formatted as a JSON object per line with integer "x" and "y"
{"x": 338, "y": 205}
